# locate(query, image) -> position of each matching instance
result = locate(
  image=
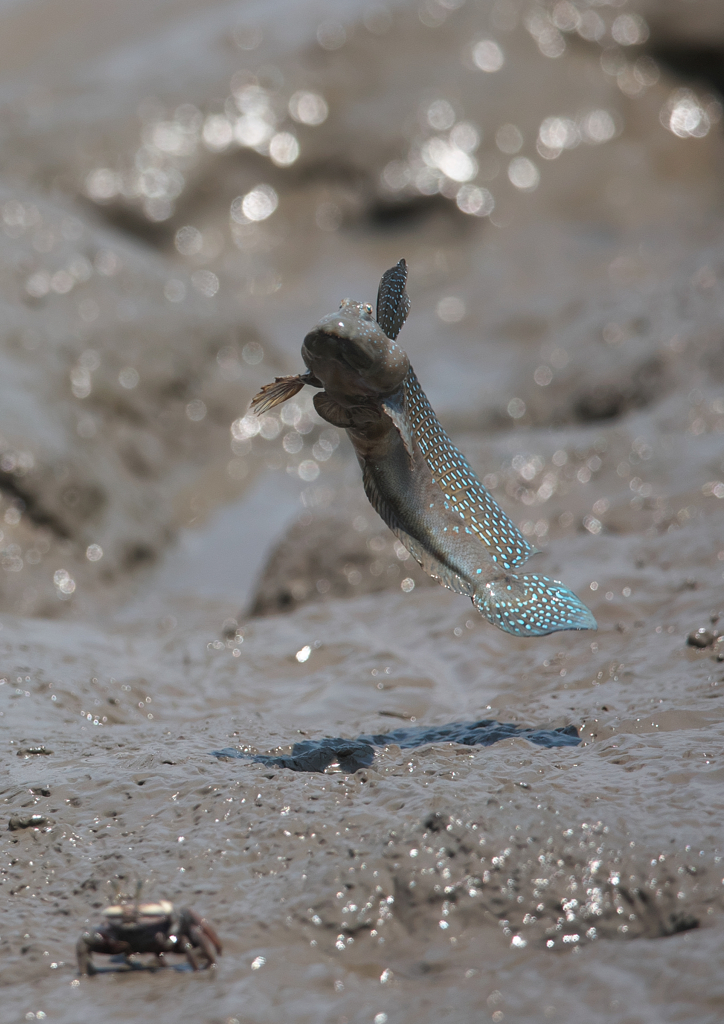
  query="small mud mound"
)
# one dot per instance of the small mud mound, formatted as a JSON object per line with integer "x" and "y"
{"x": 329, "y": 555}
{"x": 556, "y": 891}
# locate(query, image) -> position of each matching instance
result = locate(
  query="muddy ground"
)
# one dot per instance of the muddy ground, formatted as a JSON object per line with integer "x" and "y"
{"x": 186, "y": 593}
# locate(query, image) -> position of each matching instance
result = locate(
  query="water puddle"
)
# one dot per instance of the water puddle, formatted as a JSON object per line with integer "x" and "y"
{"x": 225, "y": 555}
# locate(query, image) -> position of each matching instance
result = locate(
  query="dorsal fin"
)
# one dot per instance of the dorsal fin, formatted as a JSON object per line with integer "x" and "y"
{"x": 464, "y": 494}
{"x": 393, "y": 302}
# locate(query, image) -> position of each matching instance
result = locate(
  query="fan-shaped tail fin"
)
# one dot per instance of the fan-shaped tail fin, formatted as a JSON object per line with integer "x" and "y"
{"x": 531, "y": 606}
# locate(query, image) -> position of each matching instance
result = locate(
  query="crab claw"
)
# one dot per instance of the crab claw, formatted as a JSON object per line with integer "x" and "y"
{"x": 83, "y": 951}
{"x": 202, "y": 935}
{"x": 97, "y": 942}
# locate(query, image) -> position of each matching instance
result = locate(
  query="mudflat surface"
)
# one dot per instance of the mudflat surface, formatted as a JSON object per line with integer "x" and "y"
{"x": 219, "y": 673}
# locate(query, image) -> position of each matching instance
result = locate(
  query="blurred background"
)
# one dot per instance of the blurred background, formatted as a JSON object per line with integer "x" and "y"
{"x": 187, "y": 188}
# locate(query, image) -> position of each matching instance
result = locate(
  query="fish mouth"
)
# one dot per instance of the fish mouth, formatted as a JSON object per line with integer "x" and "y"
{"x": 356, "y": 358}
{"x": 326, "y": 345}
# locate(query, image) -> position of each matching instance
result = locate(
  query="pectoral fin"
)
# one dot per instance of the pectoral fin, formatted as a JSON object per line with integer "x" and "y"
{"x": 332, "y": 412}
{"x": 394, "y": 407}
{"x": 393, "y": 302}
{"x": 280, "y": 390}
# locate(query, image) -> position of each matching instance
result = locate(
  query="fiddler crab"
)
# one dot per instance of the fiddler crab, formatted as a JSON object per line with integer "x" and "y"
{"x": 131, "y": 927}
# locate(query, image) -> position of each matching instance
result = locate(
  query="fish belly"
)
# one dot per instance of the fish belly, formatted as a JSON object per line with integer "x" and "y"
{"x": 452, "y": 526}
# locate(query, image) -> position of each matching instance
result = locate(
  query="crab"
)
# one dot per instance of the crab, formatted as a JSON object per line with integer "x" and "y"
{"x": 131, "y": 927}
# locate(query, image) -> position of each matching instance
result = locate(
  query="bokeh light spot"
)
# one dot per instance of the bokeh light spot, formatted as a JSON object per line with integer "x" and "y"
{"x": 488, "y": 56}
{"x": 308, "y": 108}
{"x": 523, "y": 173}
{"x": 475, "y": 201}
{"x": 451, "y": 309}
{"x": 283, "y": 149}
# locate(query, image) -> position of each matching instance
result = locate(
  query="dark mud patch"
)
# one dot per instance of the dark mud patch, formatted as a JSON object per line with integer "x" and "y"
{"x": 25, "y": 501}
{"x": 700, "y": 63}
{"x": 350, "y": 755}
{"x": 327, "y": 555}
{"x": 609, "y": 399}
{"x": 20, "y": 821}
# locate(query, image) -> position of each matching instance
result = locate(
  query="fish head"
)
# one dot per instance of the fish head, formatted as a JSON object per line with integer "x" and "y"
{"x": 353, "y": 357}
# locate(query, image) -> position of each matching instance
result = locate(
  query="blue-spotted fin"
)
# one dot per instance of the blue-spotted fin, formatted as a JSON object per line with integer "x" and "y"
{"x": 413, "y": 475}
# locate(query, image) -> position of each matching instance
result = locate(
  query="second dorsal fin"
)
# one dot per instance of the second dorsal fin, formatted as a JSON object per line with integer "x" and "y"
{"x": 393, "y": 302}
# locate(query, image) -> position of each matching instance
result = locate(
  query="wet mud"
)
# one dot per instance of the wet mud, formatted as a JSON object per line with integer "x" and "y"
{"x": 197, "y": 606}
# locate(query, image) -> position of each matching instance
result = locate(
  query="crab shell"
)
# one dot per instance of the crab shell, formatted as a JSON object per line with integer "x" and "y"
{"x": 156, "y": 928}
{"x": 143, "y": 913}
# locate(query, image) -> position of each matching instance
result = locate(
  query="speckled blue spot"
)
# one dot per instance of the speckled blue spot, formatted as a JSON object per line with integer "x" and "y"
{"x": 459, "y": 484}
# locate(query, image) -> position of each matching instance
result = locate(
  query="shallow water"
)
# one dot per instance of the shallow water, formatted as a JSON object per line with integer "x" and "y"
{"x": 179, "y": 581}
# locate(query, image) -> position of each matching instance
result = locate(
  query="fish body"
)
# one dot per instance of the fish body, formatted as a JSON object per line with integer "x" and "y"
{"x": 413, "y": 475}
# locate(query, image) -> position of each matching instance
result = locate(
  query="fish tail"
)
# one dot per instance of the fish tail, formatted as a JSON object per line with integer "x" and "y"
{"x": 531, "y": 606}
{"x": 279, "y": 391}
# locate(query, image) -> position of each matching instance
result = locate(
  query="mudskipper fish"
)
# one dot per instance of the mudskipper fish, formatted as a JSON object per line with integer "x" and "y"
{"x": 413, "y": 475}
